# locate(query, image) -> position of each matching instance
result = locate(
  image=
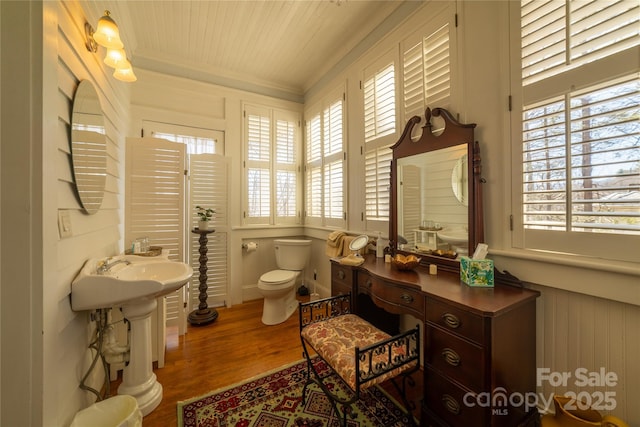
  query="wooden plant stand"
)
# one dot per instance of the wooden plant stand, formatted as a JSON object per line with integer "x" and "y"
{"x": 203, "y": 315}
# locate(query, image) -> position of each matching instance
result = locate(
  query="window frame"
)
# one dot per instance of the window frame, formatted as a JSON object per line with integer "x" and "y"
{"x": 323, "y": 160}
{"x": 379, "y": 146}
{"x": 573, "y": 79}
{"x": 271, "y": 165}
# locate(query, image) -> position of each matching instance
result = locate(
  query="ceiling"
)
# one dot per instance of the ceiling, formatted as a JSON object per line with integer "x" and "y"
{"x": 278, "y": 47}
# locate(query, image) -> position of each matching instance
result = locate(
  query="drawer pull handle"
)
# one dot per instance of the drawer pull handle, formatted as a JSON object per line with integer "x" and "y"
{"x": 369, "y": 283}
{"x": 406, "y": 298}
{"x": 450, "y": 404}
{"x": 451, "y": 320}
{"x": 341, "y": 274}
{"x": 451, "y": 357}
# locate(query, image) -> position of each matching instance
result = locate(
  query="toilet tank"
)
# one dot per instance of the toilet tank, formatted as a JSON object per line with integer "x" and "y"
{"x": 292, "y": 254}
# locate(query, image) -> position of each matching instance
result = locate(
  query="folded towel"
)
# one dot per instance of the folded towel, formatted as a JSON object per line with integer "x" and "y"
{"x": 345, "y": 245}
{"x": 334, "y": 244}
{"x": 335, "y": 238}
{"x": 351, "y": 260}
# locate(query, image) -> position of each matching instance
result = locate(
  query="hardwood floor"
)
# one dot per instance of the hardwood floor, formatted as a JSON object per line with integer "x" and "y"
{"x": 236, "y": 347}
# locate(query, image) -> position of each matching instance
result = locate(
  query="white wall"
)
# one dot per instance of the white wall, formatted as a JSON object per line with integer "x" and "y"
{"x": 97, "y": 235}
{"x": 44, "y": 375}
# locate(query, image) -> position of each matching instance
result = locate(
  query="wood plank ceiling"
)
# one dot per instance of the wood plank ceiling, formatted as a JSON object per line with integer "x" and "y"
{"x": 287, "y": 45}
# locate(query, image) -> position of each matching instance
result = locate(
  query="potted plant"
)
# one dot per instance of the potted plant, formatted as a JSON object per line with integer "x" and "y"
{"x": 204, "y": 215}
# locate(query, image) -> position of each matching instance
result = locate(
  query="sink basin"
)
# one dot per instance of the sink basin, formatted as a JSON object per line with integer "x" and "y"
{"x": 126, "y": 284}
{"x": 454, "y": 236}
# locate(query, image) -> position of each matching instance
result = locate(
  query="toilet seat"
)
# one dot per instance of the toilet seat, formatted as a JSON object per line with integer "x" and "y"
{"x": 277, "y": 277}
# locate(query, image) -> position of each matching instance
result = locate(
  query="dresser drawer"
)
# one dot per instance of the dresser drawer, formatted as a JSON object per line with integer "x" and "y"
{"x": 451, "y": 318}
{"x": 339, "y": 289}
{"x": 393, "y": 296}
{"x": 455, "y": 358}
{"x": 450, "y": 402}
{"x": 342, "y": 275}
{"x": 364, "y": 283}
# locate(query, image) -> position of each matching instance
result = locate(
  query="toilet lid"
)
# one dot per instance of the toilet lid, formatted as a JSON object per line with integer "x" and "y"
{"x": 277, "y": 276}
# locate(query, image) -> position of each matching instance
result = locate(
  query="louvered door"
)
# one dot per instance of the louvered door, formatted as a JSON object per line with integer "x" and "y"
{"x": 155, "y": 203}
{"x": 208, "y": 184}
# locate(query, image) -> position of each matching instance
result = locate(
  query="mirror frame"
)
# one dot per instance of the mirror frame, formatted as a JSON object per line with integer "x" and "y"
{"x": 88, "y": 147}
{"x": 454, "y": 133}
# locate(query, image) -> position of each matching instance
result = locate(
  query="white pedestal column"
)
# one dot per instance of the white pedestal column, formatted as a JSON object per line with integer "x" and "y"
{"x": 139, "y": 380}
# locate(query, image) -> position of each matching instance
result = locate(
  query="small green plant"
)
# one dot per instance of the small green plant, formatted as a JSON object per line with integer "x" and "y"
{"x": 204, "y": 214}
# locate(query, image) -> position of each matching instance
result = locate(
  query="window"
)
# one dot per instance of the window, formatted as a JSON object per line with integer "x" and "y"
{"x": 197, "y": 140}
{"x": 325, "y": 162}
{"x": 379, "y": 134}
{"x": 272, "y": 143}
{"x": 580, "y": 128}
{"x": 429, "y": 65}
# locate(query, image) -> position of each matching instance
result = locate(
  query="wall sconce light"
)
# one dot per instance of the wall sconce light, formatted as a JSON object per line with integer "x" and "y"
{"x": 107, "y": 35}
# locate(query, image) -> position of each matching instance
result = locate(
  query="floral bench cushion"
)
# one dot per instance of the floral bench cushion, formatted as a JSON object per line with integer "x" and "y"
{"x": 335, "y": 340}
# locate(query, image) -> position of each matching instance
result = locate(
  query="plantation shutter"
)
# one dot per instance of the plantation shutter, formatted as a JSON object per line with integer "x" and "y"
{"x": 411, "y": 199}
{"x": 258, "y": 165}
{"x": 378, "y": 183}
{"x": 379, "y": 102}
{"x": 380, "y": 130}
{"x": 333, "y": 147}
{"x": 558, "y": 36}
{"x": 325, "y": 162}
{"x": 154, "y": 202}
{"x": 208, "y": 183}
{"x": 580, "y": 85}
{"x": 286, "y": 168}
{"x": 427, "y": 72}
{"x": 313, "y": 170}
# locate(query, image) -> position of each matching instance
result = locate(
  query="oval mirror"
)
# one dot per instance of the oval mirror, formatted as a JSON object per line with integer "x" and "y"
{"x": 88, "y": 147}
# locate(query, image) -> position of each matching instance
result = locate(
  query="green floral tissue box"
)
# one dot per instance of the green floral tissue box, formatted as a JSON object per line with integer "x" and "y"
{"x": 476, "y": 272}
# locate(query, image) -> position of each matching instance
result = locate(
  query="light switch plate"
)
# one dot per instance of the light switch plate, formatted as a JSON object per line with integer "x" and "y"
{"x": 64, "y": 223}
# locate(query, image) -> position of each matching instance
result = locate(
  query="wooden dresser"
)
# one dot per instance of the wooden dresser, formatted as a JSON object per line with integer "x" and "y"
{"x": 479, "y": 344}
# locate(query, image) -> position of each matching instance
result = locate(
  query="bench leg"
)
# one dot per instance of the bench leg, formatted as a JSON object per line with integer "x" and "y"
{"x": 402, "y": 391}
{"x": 313, "y": 376}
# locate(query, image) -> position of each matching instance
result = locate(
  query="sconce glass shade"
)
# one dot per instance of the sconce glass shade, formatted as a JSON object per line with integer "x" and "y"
{"x": 124, "y": 72}
{"x": 114, "y": 57}
{"x": 107, "y": 33}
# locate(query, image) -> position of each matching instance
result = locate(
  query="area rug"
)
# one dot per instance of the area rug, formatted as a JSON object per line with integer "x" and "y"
{"x": 275, "y": 400}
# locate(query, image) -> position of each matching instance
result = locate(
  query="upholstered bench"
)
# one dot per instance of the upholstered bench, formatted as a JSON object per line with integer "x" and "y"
{"x": 361, "y": 354}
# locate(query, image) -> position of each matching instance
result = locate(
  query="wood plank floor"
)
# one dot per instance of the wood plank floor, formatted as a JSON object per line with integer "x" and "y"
{"x": 236, "y": 347}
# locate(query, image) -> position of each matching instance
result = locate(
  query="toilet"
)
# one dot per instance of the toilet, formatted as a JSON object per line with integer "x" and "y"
{"x": 117, "y": 411}
{"x": 278, "y": 287}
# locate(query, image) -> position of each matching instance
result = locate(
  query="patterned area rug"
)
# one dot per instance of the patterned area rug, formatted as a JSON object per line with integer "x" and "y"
{"x": 275, "y": 400}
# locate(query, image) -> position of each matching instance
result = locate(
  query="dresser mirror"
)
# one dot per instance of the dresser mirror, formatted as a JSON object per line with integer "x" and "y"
{"x": 436, "y": 203}
{"x": 88, "y": 147}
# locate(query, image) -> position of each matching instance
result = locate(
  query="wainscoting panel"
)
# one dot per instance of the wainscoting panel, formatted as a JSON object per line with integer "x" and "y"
{"x": 595, "y": 344}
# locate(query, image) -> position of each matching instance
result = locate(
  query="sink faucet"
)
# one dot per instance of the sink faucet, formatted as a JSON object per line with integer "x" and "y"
{"x": 105, "y": 266}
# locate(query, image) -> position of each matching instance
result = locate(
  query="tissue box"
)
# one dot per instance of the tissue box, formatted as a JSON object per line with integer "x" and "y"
{"x": 476, "y": 272}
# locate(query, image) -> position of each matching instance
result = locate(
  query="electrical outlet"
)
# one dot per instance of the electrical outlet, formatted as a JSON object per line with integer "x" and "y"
{"x": 64, "y": 223}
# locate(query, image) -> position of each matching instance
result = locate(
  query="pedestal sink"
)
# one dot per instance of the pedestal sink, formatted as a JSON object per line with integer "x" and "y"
{"x": 132, "y": 283}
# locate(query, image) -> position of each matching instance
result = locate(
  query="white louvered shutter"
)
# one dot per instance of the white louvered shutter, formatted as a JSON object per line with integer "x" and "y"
{"x": 410, "y": 198}
{"x": 258, "y": 165}
{"x": 380, "y": 132}
{"x": 286, "y": 165}
{"x": 313, "y": 171}
{"x": 333, "y": 159}
{"x": 208, "y": 184}
{"x": 580, "y": 82}
{"x": 155, "y": 200}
